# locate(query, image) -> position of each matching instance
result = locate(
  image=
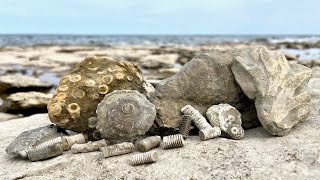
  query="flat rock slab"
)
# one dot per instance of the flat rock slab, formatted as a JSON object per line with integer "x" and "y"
{"x": 257, "y": 156}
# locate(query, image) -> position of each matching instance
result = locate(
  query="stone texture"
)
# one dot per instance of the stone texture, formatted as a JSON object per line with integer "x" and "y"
{"x": 205, "y": 80}
{"x": 124, "y": 115}
{"x": 7, "y": 116}
{"x": 227, "y": 118}
{"x": 278, "y": 88}
{"x": 159, "y": 61}
{"x": 257, "y": 156}
{"x": 33, "y": 137}
{"x": 80, "y": 91}
{"x": 22, "y": 83}
{"x": 26, "y": 103}
{"x": 314, "y": 90}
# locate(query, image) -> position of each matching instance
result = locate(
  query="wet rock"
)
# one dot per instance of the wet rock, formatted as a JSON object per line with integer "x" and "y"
{"x": 80, "y": 91}
{"x": 227, "y": 118}
{"x": 278, "y": 88}
{"x": 21, "y": 83}
{"x": 205, "y": 80}
{"x": 159, "y": 61}
{"x": 124, "y": 115}
{"x": 33, "y": 137}
{"x": 26, "y": 103}
{"x": 7, "y": 116}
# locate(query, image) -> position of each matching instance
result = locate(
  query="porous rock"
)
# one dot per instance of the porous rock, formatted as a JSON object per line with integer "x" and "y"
{"x": 277, "y": 87}
{"x": 227, "y": 118}
{"x": 33, "y": 137}
{"x": 26, "y": 103}
{"x": 205, "y": 80}
{"x": 78, "y": 93}
{"x": 22, "y": 83}
{"x": 124, "y": 115}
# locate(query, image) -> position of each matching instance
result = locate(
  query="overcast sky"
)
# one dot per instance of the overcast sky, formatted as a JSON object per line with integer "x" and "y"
{"x": 160, "y": 17}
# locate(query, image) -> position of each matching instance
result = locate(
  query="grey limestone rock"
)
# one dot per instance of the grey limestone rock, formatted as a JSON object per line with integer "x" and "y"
{"x": 205, "y": 80}
{"x": 33, "y": 137}
{"x": 124, "y": 115}
{"x": 277, "y": 87}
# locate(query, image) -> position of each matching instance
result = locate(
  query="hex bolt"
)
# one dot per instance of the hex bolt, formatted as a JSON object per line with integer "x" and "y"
{"x": 88, "y": 147}
{"x": 144, "y": 158}
{"x": 46, "y": 150}
{"x": 173, "y": 141}
{"x": 185, "y": 126}
{"x": 117, "y": 149}
{"x": 69, "y": 141}
{"x": 209, "y": 133}
{"x": 196, "y": 117}
{"x": 149, "y": 143}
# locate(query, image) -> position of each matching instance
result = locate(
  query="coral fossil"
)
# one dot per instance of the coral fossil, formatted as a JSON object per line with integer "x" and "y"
{"x": 79, "y": 92}
{"x": 124, "y": 115}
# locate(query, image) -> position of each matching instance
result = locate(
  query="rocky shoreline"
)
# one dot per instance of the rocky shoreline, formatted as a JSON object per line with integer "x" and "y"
{"x": 277, "y": 90}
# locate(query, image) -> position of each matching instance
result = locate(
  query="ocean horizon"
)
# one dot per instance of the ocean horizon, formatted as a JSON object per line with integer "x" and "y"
{"x": 145, "y": 39}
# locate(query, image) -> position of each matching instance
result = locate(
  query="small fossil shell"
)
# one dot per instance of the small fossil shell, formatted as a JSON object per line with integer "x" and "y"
{"x": 144, "y": 158}
{"x": 117, "y": 149}
{"x": 149, "y": 143}
{"x": 88, "y": 147}
{"x": 209, "y": 133}
{"x": 46, "y": 150}
{"x": 185, "y": 126}
{"x": 196, "y": 117}
{"x": 74, "y": 110}
{"x": 173, "y": 141}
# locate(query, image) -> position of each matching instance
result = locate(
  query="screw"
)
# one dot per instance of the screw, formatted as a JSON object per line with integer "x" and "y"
{"x": 173, "y": 141}
{"x": 144, "y": 158}
{"x": 88, "y": 147}
{"x": 149, "y": 143}
{"x": 117, "y": 149}
{"x": 196, "y": 117}
{"x": 209, "y": 133}
{"x": 185, "y": 126}
{"x": 46, "y": 150}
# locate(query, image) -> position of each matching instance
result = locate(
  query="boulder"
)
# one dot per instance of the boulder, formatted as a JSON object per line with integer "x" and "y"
{"x": 205, "y": 80}
{"x": 22, "y": 83}
{"x": 277, "y": 87}
{"x": 26, "y": 103}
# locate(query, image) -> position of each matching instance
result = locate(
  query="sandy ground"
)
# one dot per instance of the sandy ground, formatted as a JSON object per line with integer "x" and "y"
{"x": 257, "y": 156}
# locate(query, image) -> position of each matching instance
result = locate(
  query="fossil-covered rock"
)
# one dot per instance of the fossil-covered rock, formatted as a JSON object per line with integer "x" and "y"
{"x": 227, "y": 118}
{"x": 124, "y": 115}
{"x": 33, "y": 137}
{"x": 277, "y": 87}
{"x": 26, "y": 103}
{"x": 205, "y": 80}
{"x": 79, "y": 92}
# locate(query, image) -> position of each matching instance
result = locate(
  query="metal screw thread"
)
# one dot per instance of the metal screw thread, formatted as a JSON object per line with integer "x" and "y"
{"x": 209, "y": 133}
{"x": 48, "y": 149}
{"x": 173, "y": 141}
{"x": 196, "y": 117}
{"x": 144, "y": 158}
{"x": 185, "y": 126}
{"x": 88, "y": 147}
{"x": 117, "y": 149}
{"x": 149, "y": 143}
{"x": 69, "y": 141}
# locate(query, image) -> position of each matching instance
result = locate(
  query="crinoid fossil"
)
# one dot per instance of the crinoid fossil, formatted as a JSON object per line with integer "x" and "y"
{"x": 227, "y": 118}
{"x": 78, "y": 93}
